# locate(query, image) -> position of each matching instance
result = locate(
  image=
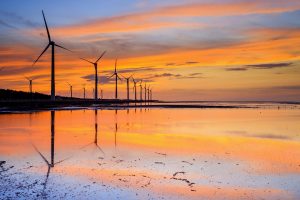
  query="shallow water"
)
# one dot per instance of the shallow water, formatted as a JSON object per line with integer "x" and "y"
{"x": 151, "y": 154}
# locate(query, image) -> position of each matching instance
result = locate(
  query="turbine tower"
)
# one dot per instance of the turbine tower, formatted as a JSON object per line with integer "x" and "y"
{"x": 141, "y": 91}
{"x": 96, "y": 73}
{"x": 127, "y": 82}
{"x": 71, "y": 89}
{"x": 134, "y": 88}
{"x": 145, "y": 92}
{"x": 148, "y": 91}
{"x": 52, "y": 44}
{"x": 96, "y": 127}
{"x": 83, "y": 91}
{"x": 117, "y": 77}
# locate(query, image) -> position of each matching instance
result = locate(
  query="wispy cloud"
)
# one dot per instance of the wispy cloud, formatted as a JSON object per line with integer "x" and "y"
{"x": 101, "y": 79}
{"x": 170, "y": 64}
{"x": 134, "y": 70}
{"x": 3, "y": 23}
{"x": 17, "y": 19}
{"x": 195, "y": 74}
{"x": 173, "y": 76}
{"x": 236, "y": 69}
{"x": 259, "y": 66}
{"x": 288, "y": 87}
{"x": 191, "y": 62}
{"x": 181, "y": 64}
{"x": 13, "y": 71}
{"x": 166, "y": 75}
{"x": 158, "y": 17}
{"x": 269, "y": 65}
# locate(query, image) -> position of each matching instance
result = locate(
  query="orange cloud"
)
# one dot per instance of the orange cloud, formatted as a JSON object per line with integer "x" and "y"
{"x": 166, "y": 17}
{"x": 228, "y": 9}
{"x": 266, "y": 47}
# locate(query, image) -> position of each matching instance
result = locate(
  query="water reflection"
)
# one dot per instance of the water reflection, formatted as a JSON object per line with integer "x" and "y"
{"x": 96, "y": 127}
{"x": 52, "y": 151}
{"x": 184, "y": 150}
{"x": 96, "y": 132}
{"x": 52, "y": 162}
{"x": 116, "y": 127}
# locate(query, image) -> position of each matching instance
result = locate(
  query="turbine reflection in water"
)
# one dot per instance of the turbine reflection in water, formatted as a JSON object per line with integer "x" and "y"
{"x": 228, "y": 149}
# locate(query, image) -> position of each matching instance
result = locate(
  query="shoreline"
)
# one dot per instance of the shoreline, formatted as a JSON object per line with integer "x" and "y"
{"x": 110, "y": 104}
{"x": 5, "y": 110}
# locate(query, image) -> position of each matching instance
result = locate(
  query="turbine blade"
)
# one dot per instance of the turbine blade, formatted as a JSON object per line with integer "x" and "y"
{"x": 42, "y": 156}
{"x": 100, "y": 149}
{"x": 118, "y": 77}
{"x": 116, "y": 65}
{"x": 111, "y": 76}
{"x": 41, "y": 54}
{"x": 63, "y": 48}
{"x": 86, "y": 60}
{"x": 123, "y": 76}
{"x": 49, "y": 38}
{"x": 101, "y": 56}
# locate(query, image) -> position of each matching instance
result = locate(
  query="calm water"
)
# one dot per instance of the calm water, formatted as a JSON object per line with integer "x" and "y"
{"x": 151, "y": 154}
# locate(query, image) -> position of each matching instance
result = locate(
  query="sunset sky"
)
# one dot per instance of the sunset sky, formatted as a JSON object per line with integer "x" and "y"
{"x": 186, "y": 50}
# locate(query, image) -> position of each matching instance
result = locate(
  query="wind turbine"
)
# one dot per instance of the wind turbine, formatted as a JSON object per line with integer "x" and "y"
{"x": 141, "y": 91}
{"x": 96, "y": 131}
{"x": 148, "y": 91}
{"x": 30, "y": 83}
{"x": 127, "y": 82}
{"x": 83, "y": 91}
{"x": 117, "y": 77}
{"x": 96, "y": 72}
{"x": 52, "y": 44}
{"x": 145, "y": 92}
{"x": 71, "y": 90}
{"x": 50, "y": 164}
{"x": 134, "y": 88}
